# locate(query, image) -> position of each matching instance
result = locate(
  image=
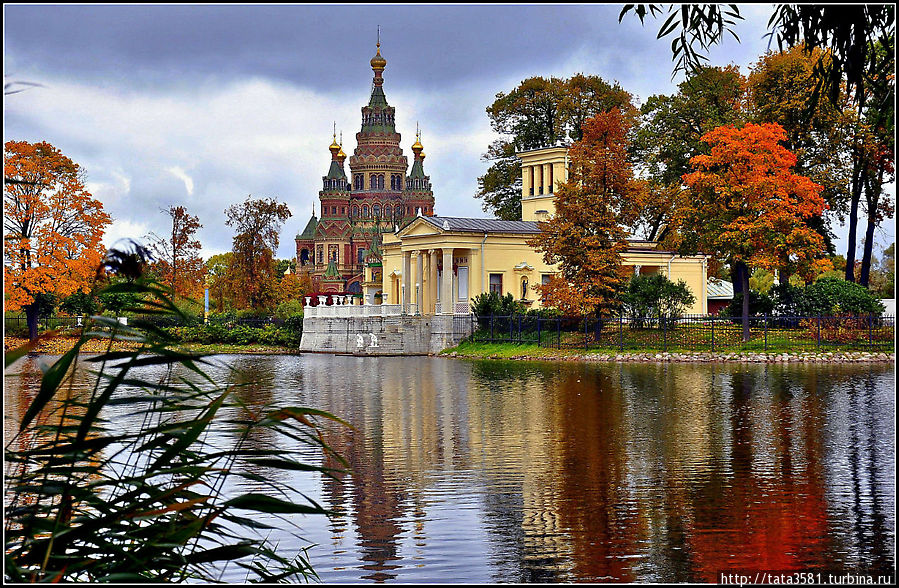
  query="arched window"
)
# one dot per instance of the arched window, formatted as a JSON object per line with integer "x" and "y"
{"x": 355, "y": 210}
{"x": 365, "y": 212}
{"x": 357, "y": 182}
{"x": 387, "y": 211}
{"x": 376, "y": 210}
{"x": 380, "y": 181}
{"x": 373, "y": 182}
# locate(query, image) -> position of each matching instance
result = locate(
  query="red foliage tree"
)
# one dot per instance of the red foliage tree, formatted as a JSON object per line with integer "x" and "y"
{"x": 746, "y": 205}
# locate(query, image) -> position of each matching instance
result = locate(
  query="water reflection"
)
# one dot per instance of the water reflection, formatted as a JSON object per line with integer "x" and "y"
{"x": 513, "y": 472}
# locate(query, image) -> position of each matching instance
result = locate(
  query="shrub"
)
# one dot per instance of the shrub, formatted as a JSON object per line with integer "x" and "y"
{"x": 652, "y": 296}
{"x": 759, "y": 304}
{"x": 288, "y": 309}
{"x": 835, "y": 296}
{"x": 789, "y": 300}
{"x": 491, "y": 303}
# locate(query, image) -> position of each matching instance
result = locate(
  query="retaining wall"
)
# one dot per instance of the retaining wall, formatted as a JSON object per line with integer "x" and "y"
{"x": 391, "y": 335}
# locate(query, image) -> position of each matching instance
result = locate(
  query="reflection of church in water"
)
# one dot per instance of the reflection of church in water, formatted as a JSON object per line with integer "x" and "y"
{"x": 378, "y": 196}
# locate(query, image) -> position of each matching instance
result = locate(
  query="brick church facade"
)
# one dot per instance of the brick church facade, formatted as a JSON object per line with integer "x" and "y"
{"x": 379, "y": 193}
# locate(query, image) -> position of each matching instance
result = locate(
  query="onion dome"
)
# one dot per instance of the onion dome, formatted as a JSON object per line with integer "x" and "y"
{"x": 417, "y": 147}
{"x": 341, "y": 156}
{"x": 334, "y": 147}
{"x": 378, "y": 63}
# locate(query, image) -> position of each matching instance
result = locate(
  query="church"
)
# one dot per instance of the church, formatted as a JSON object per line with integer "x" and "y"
{"x": 387, "y": 247}
{"x": 379, "y": 194}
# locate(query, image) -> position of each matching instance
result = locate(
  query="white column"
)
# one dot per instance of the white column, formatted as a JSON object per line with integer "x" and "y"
{"x": 406, "y": 286}
{"x": 432, "y": 285}
{"x": 419, "y": 281}
{"x": 448, "y": 305}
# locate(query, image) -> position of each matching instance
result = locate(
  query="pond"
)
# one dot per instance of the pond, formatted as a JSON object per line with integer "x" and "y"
{"x": 492, "y": 471}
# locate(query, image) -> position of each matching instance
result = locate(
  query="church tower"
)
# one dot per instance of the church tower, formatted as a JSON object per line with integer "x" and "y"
{"x": 375, "y": 197}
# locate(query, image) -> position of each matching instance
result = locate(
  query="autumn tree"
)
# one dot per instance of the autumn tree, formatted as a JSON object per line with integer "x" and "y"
{"x": 670, "y": 132}
{"x": 178, "y": 263}
{"x": 780, "y": 90}
{"x": 219, "y": 275}
{"x": 586, "y": 235}
{"x": 848, "y": 33}
{"x": 258, "y": 223}
{"x": 538, "y": 113}
{"x": 53, "y": 228}
{"x": 294, "y": 286}
{"x": 746, "y": 205}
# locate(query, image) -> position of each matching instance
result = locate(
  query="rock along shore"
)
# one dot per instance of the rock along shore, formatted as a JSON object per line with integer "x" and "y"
{"x": 706, "y": 357}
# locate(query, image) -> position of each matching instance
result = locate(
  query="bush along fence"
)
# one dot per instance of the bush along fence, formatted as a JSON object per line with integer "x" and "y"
{"x": 700, "y": 333}
{"x": 217, "y": 329}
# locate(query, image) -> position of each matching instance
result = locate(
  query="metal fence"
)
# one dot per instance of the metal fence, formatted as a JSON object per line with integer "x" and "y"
{"x": 695, "y": 332}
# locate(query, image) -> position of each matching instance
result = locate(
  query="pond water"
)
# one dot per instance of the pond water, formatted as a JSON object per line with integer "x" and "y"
{"x": 491, "y": 471}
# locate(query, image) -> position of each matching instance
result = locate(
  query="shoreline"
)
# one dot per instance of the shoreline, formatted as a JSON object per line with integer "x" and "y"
{"x": 781, "y": 357}
{"x": 60, "y": 345}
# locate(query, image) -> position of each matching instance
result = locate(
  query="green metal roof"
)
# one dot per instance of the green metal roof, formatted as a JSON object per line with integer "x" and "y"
{"x": 331, "y": 273}
{"x": 309, "y": 232}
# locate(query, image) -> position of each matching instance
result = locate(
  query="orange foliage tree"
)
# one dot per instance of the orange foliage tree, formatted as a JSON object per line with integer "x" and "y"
{"x": 294, "y": 286}
{"x": 585, "y": 236}
{"x": 746, "y": 205}
{"x": 53, "y": 228}
{"x": 178, "y": 262}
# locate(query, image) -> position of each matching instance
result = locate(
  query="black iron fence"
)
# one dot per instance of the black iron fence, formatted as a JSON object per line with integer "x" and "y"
{"x": 695, "y": 332}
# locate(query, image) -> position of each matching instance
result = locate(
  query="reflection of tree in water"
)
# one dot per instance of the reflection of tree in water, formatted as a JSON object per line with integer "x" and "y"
{"x": 869, "y": 525}
{"x": 596, "y": 506}
{"x": 254, "y": 381}
{"x": 768, "y": 512}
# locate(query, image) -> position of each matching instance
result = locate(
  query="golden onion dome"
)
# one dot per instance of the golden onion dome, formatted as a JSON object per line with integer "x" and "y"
{"x": 340, "y": 154}
{"x": 378, "y": 63}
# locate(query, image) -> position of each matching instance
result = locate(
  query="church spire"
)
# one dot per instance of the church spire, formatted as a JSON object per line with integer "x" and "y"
{"x": 378, "y": 63}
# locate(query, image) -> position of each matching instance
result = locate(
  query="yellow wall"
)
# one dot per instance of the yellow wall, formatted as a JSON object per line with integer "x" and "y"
{"x": 537, "y": 168}
{"x": 502, "y": 253}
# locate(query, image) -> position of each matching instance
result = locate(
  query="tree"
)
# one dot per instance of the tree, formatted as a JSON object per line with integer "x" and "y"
{"x": 650, "y": 297}
{"x": 293, "y": 287}
{"x": 258, "y": 223}
{"x": 849, "y": 33}
{"x": 883, "y": 273}
{"x": 53, "y": 228}
{"x": 585, "y": 236}
{"x": 746, "y": 205}
{"x": 781, "y": 86}
{"x": 178, "y": 262}
{"x": 669, "y": 135}
{"x": 218, "y": 276}
{"x": 539, "y": 112}
{"x": 879, "y": 158}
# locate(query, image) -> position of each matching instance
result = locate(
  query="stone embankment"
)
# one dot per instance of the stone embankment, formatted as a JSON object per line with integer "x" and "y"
{"x": 706, "y": 357}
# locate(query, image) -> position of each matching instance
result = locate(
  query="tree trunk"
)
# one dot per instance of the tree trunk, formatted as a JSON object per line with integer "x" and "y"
{"x": 742, "y": 271}
{"x": 853, "y": 222}
{"x": 31, "y": 316}
{"x": 873, "y": 199}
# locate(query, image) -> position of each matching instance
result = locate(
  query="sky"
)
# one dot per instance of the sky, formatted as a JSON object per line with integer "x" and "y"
{"x": 203, "y": 106}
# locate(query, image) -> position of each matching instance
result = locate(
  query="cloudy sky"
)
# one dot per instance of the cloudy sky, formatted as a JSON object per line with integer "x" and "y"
{"x": 205, "y": 105}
